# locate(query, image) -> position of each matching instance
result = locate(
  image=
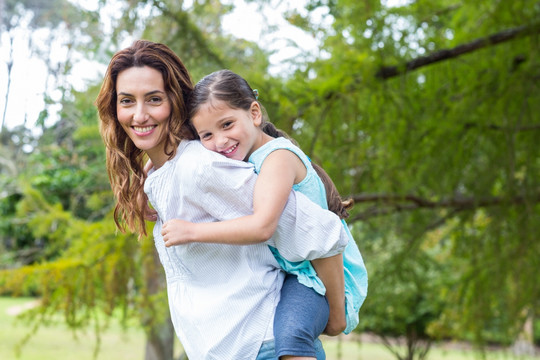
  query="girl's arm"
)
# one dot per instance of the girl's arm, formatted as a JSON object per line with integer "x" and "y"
{"x": 279, "y": 172}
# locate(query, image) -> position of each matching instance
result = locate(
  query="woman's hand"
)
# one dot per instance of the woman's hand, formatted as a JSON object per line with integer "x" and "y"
{"x": 177, "y": 232}
{"x": 149, "y": 213}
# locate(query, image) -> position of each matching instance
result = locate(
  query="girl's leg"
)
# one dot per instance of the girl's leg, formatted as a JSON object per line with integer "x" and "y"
{"x": 268, "y": 351}
{"x": 330, "y": 271}
{"x": 301, "y": 317}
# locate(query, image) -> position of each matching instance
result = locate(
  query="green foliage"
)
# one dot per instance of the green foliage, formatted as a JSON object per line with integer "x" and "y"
{"x": 442, "y": 160}
{"x": 451, "y": 145}
{"x": 411, "y": 297}
{"x": 97, "y": 273}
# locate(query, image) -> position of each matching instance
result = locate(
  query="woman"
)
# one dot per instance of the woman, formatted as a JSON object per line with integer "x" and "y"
{"x": 222, "y": 298}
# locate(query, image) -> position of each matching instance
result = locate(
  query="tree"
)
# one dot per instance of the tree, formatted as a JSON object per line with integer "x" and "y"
{"x": 85, "y": 268}
{"x": 437, "y": 144}
{"x": 23, "y": 23}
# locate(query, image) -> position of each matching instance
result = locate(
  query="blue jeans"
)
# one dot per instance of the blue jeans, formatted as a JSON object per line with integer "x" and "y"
{"x": 268, "y": 352}
{"x": 301, "y": 316}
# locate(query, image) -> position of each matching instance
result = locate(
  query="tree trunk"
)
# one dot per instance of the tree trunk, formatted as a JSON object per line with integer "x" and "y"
{"x": 160, "y": 336}
{"x": 160, "y": 341}
{"x": 8, "y": 85}
{"x": 524, "y": 344}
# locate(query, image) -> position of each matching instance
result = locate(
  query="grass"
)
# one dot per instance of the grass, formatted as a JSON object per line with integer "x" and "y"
{"x": 352, "y": 350}
{"x": 58, "y": 342}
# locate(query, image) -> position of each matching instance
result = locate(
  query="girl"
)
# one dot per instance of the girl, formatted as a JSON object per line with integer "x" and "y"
{"x": 228, "y": 118}
{"x": 222, "y": 298}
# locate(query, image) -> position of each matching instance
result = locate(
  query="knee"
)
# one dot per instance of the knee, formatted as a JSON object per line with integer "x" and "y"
{"x": 292, "y": 337}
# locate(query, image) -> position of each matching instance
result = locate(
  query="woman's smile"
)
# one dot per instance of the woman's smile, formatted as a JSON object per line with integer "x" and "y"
{"x": 143, "y": 131}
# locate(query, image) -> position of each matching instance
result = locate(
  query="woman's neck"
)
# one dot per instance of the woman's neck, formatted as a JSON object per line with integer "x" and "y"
{"x": 158, "y": 157}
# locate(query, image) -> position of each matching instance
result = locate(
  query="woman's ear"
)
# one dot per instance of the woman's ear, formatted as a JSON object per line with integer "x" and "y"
{"x": 256, "y": 113}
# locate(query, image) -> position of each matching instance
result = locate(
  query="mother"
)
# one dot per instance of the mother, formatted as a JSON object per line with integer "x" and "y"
{"x": 222, "y": 298}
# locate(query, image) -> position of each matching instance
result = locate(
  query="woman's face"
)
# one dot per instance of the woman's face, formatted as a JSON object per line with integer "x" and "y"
{"x": 143, "y": 109}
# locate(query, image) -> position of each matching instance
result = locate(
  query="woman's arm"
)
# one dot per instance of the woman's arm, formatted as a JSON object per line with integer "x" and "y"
{"x": 280, "y": 170}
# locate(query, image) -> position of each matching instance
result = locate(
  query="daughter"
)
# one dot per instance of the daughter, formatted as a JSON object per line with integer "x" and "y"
{"x": 229, "y": 120}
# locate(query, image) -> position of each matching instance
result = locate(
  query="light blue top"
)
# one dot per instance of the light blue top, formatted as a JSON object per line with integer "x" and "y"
{"x": 354, "y": 269}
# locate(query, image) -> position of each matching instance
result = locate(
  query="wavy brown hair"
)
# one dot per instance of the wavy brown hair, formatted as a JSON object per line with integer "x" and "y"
{"x": 234, "y": 90}
{"x": 125, "y": 162}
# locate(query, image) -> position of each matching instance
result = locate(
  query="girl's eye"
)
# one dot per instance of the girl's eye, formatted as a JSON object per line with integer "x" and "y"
{"x": 227, "y": 124}
{"x": 205, "y": 136}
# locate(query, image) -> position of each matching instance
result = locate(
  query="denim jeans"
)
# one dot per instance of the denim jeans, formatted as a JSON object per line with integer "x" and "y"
{"x": 267, "y": 351}
{"x": 301, "y": 316}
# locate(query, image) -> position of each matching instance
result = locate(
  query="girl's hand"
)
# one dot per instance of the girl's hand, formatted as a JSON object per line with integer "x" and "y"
{"x": 177, "y": 232}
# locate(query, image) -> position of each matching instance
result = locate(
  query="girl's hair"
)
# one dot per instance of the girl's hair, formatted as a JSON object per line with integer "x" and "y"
{"x": 226, "y": 86}
{"x": 234, "y": 90}
{"x": 125, "y": 162}
{"x": 335, "y": 203}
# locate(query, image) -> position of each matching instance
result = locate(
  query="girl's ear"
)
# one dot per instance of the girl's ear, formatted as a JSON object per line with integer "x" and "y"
{"x": 256, "y": 113}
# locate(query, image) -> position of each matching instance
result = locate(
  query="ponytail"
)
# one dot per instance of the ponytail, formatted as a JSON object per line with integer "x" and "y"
{"x": 335, "y": 203}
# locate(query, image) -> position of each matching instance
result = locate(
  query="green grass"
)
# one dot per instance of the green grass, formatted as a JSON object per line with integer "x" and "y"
{"x": 57, "y": 342}
{"x": 352, "y": 350}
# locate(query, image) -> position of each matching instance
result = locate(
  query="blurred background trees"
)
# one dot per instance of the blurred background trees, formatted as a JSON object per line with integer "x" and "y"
{"x": 424, "y": 112}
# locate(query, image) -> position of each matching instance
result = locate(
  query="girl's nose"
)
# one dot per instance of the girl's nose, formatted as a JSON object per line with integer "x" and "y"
{"x": 221, "y": 142}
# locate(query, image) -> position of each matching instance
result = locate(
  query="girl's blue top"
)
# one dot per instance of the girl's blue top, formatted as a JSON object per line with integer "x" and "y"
{"x": 356, "y": 280}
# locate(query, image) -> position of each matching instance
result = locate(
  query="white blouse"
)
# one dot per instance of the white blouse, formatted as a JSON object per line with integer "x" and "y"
{"x": 222, "y": 298}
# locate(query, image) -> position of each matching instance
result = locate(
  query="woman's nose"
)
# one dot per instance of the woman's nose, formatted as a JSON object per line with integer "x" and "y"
{"x": 140, "y": 114}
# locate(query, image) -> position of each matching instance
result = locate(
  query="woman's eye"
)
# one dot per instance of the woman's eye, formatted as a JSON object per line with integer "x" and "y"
{"x": 155, "y": 99}
{"x": 125, "y": 101}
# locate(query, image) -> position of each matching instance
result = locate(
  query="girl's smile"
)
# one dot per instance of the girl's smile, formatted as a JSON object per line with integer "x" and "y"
{"x": 230, "y": 151}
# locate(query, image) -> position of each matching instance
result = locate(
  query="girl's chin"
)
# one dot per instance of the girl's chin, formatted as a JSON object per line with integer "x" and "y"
{"x": 235, "y": 157}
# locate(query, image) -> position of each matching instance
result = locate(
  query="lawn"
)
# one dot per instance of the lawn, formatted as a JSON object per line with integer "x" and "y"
{"x": 58, "y": 343}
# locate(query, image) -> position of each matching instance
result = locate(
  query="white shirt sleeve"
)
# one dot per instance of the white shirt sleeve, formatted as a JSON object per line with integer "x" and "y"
{"x": 305, "y": 230}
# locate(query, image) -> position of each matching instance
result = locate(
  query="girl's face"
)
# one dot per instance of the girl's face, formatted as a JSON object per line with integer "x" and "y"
{"x": 234, "y": 133}
{"x": 143, "y": 109}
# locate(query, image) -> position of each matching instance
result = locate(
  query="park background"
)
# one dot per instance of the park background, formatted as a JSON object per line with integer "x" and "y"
{"x": 426, "y": 113}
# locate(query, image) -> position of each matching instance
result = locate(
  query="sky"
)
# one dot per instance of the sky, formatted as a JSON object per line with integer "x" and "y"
{"x": 29, "y": 73}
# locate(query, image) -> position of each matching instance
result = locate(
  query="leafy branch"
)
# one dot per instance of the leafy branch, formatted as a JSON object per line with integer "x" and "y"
{"x": 469, "y": 125}
{"x": 391, "y": 203}
{"x": 445, "y": 54}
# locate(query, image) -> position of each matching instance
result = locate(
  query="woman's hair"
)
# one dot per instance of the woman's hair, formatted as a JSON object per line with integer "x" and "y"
{"x": 234, "y": 90}
{"x": 125, "y": 162}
